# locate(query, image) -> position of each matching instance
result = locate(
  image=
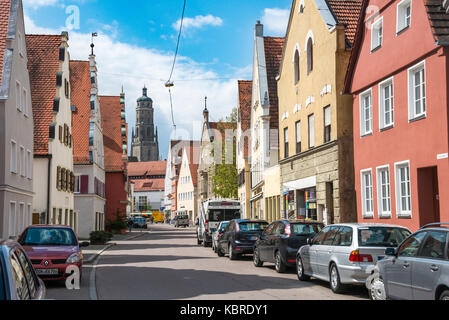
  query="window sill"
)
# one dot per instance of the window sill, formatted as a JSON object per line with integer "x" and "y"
{"x": 376, "y": 48}
{"x": 366, "y": 134}
{"x": 423, "y": 116}
{"x": 384, "y": 216}
{"x": 391, "y": 126}
{"x": 371, "y": 216}
{"x": 399, "y": 32}
{"x": 404, "y": 216}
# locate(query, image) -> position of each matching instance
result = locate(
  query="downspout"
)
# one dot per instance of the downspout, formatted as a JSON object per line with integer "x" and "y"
{"x": 48, "y": 188}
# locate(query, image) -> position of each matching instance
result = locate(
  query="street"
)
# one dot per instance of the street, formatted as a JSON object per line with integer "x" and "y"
{"x": 166, "y": 263}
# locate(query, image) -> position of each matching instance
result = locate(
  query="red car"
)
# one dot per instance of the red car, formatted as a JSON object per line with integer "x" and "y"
{"x": 52, "y": 249}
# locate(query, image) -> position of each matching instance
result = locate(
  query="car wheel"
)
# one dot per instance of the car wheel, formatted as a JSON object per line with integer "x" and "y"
{"x": 220, "y": 251}
{"x": 214, "y": 248}
{"x": 445, "y": 295}
{"x": 377, "y": 290}
{"x": 256, "y": 258}
{"x": 198, "y": 241}
{"x": 300, "y": 270}
{"x": 335, "y": 283}
{"x": 279, "y": 264}
{"x": 231, "y": 254}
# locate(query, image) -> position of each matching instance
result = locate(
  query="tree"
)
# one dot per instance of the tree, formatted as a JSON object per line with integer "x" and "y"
{"x": 225, "y": 180}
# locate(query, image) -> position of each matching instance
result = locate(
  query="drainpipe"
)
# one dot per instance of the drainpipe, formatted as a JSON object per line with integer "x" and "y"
{"x": 48, "y": 187}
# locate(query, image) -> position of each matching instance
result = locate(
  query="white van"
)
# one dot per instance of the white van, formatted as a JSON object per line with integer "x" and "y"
{"x": 212, "y": 212}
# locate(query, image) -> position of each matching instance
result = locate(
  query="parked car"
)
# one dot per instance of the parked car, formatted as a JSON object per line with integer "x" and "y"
{"x": 345, "y": 253}
{"x": 140, "y": 222}
{"x": 182, "y": 221}
{"x": 281, "y": 240}
{"x": 18, "y": 279}
{"x": 418, "y": 269}
{"x": 239, "y": 237}
{"x": 217, "y": 233}
{"x": 52, "y": 249}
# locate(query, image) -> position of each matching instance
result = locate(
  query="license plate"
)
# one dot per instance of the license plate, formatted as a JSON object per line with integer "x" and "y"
{"x": 380, "y": 258}
{"x": 46, "y": 271}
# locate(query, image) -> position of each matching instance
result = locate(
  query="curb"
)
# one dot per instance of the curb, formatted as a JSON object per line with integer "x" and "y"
{"x": 88, "y": 261}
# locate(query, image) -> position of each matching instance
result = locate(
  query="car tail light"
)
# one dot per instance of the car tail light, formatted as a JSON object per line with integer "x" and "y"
{"x": 291, "y": 260}
{"x": 288, "y": 230}
{"x": 357, "y": 257}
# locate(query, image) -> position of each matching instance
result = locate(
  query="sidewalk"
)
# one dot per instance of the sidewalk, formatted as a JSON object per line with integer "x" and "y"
{"x": 93, "y": 251}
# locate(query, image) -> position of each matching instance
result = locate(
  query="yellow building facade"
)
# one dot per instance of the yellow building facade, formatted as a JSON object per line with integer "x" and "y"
{"x": 315, "y": 119}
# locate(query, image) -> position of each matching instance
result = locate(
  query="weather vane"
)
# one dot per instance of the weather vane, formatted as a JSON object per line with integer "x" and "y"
{"x": 94, "y": 34}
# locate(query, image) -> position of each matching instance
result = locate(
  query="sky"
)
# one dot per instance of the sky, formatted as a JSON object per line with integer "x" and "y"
{"x": 136, "y": 44}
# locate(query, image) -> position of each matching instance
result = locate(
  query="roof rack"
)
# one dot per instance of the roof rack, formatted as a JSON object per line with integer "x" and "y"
{"x": 434, "y": 224}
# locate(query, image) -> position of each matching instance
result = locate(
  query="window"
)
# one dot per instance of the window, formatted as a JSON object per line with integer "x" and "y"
{"x": 404, "y": 15}
{"x": 411, "y": 246}
{"x": 12, "y": 219}
{"x": 24, "y": 102}
{"x": 386, "y": 104}
{"x": 434, "y": 245}
{"x": 77, "y": 184}
{"x": 60, "y": 134}
{"x": 366, "y": 113}
{"x": 29, "y": 165}
{"x": 327, "y": 124}
{"x": 383, "y": 192}
{"x": 417, "y": 91}
{"x": 320, "y": 236}
{"x": 285, "y": 142}
{"x": 403, "y": 192}
{"x": 298, "y": 136}
{"x": 311, "y": 131}
{"x": 329, "y": 239}
{"x": 376, "y": 34}
{"x": 297, "y": 70}
{"x": 20, "y": 43}
{"x": 13, "y": 157}
{"x": 309, "y": 55}
{"x": 18, "y": 97}
{"x": 22, "y": 161}
{"x": 66, "y": 88}
{"x": 367, "y": 194}
{"x": 343, "y": 237}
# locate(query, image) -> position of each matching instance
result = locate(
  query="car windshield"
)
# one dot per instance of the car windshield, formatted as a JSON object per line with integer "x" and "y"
{"x": 252, "y": 226}
{"x": 302, "y": 228}
{"x": 183, "y": 217}
{"x": 223, "y": 226}
{"x": 224, "y": 214}
{"x": 50, "y": 237}
{"x": 382, "y": 236}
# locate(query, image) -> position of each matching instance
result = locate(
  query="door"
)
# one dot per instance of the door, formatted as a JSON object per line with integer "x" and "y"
{"x": 325, "y": 251}
{"x": 226, "y": 237}
{"x": 309, "y": 253}
{"x": 428, "y": 195}
{"x": 273, "y": 239}
{"x": 427, "y": 267}
{"x": 263, "y": 242}
{"x": 398, "y": 272}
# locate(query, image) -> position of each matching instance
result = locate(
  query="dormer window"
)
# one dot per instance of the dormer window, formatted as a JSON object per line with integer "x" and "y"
{"x": 296, "y": 63}
{"x": 404, "y": 15}
{"x": 376, "y": 34}
{"x": 301, "y": 6}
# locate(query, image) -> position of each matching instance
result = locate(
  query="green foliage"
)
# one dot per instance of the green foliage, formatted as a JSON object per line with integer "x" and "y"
{"x": 100, "y": 237}
{"x": 117, "y": 224}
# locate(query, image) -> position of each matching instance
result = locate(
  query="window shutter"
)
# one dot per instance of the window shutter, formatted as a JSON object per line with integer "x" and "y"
{"x": 84, "y": 184}
{"x": 58, "y": 178}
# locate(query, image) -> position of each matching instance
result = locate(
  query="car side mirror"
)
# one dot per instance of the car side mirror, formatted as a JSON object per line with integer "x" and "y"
{"x": 309, "y": 241}
{"x": 391, "y": 252}
{"x": 84, "y": 244}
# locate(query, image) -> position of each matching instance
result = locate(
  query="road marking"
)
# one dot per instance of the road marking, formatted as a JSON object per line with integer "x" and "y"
{"x": 92, "y": 282}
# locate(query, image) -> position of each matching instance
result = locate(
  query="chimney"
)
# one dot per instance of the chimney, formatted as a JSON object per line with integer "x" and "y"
{"x": 259, "y": 29}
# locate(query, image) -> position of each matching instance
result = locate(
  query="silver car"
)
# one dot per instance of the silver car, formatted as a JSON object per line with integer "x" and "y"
{"x": 217, "y": 233}
{"x": 18, "y": 279}
{"x": 346, "y": 253}
{"x": 417, "y": 270}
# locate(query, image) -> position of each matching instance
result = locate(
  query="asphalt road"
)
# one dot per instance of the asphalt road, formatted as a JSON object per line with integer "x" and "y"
{"x": 166, "y": 263}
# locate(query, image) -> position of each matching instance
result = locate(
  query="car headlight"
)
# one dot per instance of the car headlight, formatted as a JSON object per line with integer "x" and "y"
{"x": 74, "y": 258}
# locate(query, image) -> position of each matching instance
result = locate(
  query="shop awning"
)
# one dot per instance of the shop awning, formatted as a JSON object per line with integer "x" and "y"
{"x": 300, "y": 184}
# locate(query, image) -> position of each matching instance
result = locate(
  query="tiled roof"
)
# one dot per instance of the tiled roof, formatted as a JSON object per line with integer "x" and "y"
{"x": 149, "y": 168}
{"x": 273, "y": 56}
{"x": 245, "y": 96}
{"x": 112, "y": 133}
{"x": 439, "y": 20}
{"x": 347, "y": 12}
{"x": 4, "y": 19}
{"x": 80, "y": 98}
{"x": 43, "y": 64}
{"x": 148, "y": 185}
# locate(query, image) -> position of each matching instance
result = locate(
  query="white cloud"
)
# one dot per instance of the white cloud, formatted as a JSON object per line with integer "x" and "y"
{"x": 39, "y": 3}
{"x": 198, "y": 22}
{"x": 132, "y": 66}
{"x": 275, "y": 21}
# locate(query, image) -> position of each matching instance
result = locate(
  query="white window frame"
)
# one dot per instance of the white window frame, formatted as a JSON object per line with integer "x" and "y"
{"x": 77, "y": 184}
{"x": 376, "y": 35}
{"x": 399, "y": 211}
{"x": 18, "y": 96}
{"x": 362, "y": 112}
{"x": 401, "y": 17}
{"x": 22, "y": 161}
{"x": 24, "y": 102}
{"x": 366, "y": 214}
{"x": 380, "y": 197}
{"x": 13, "y": 164}
{"x": 382, "y": 86}
{"x": 411, "y": 92}
{"x": 12, "y": 218}
{"x": 29, "y": 165}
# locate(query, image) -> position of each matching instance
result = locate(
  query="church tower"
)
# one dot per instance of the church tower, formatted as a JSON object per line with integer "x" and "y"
{"x": 145, "y": 145}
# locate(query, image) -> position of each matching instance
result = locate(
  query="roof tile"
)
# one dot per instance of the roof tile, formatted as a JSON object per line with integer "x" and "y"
{"x": 5, "y": 6}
